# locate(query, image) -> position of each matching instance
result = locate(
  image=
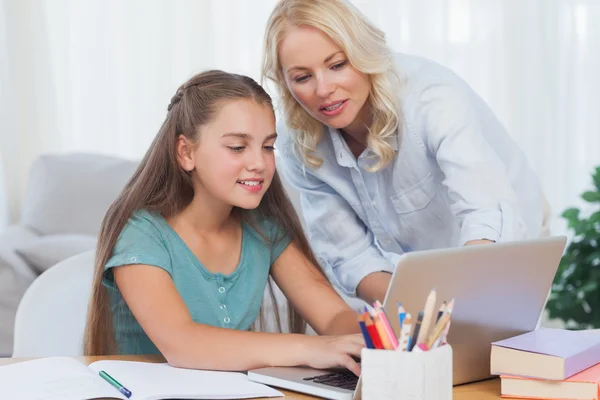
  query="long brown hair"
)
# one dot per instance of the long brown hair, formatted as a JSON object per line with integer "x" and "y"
{"x": 159, "y": 184}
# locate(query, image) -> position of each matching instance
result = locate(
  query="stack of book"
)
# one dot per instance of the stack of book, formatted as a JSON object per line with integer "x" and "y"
{"x": 549, "y": 364}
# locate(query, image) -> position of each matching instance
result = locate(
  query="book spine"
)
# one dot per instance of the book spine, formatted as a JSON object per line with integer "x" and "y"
{"x": 582, "y": 360}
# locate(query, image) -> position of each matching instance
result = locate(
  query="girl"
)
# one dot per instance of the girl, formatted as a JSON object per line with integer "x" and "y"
{"x": 391, "y": 153}
{"x": 185, "y": 251}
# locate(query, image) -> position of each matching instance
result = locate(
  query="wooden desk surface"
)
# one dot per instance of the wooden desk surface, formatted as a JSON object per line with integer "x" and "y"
{"x": 485, "y": 390}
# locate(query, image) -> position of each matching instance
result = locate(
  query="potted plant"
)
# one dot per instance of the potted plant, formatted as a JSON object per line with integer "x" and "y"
{"x": 575, "y": 295}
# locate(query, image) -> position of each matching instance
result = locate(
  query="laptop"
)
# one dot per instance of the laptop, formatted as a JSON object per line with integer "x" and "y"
{"x": 499, "y": 289}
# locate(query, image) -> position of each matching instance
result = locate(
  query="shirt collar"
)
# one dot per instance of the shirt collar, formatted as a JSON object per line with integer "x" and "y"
{"x": 343, "y": 155}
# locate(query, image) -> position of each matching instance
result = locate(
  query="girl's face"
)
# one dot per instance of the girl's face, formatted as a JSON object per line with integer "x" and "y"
{"x": 233, "y": 160}
{"x": 321, "y": 79}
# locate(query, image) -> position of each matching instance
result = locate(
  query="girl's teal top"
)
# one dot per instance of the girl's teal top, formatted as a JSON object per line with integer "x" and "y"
{"x": 228, "y": 301}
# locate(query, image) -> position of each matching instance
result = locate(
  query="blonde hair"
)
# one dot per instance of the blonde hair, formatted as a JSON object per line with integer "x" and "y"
{"x": 159, "y": 184}
{"x": 366, "y": 50}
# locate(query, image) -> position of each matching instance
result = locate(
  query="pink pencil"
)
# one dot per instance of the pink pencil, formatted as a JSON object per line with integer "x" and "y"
{"x": 386, "y": 324}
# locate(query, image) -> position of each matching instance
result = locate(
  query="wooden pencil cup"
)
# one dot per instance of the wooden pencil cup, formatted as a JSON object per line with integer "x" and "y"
{"x": 394, "y": 375}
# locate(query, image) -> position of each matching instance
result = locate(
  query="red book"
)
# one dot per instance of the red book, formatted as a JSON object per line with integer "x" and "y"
{"x": 583, "y": 385}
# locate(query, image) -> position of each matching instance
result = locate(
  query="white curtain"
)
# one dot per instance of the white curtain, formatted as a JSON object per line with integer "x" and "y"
{"x": 97, "y": 75}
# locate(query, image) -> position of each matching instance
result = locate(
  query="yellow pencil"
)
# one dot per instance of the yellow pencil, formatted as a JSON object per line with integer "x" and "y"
{"x": 427, "y": 316}
{"x": 438, "y": 329}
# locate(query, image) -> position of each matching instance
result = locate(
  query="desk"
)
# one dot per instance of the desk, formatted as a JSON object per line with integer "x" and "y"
{"x": 486, "y": 390}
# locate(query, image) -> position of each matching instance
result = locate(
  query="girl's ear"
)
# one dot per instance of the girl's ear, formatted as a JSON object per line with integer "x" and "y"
{"x": 185, "y": 153}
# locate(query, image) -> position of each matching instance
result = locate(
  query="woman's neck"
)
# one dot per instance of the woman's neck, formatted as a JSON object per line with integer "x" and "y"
{"x": 357, "y": 132}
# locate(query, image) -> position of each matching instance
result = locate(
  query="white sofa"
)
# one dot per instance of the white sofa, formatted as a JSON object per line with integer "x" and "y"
{"x": 4, "y": 208}
{"x": 66, "y": 198}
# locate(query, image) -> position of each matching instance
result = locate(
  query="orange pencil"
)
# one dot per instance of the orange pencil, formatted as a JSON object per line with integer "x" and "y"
{"x": 385, "y": 340}
{"x": 372, "y": 331}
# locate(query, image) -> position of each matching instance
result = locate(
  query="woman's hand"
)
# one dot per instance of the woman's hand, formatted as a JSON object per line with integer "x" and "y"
{"x": 481, "y": 241}
{"x": 333, "y": 351}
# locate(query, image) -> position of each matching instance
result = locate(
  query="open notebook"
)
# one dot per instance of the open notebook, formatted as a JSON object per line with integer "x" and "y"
{"x": 63, "y": 378}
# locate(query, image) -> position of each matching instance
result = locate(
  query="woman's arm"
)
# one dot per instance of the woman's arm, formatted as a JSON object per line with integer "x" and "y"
{"x": 340, "y": 239}
{"x": 162, "y": 313}
{"x": 476, "y": 155}
{"x": 374, "y": 286}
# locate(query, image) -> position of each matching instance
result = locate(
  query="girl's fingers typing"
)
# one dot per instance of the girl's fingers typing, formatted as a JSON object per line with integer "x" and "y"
{"x": 351, "y": 365}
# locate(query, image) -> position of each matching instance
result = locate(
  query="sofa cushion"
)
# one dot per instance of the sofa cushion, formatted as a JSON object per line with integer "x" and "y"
{"x": 4, "y": 207}
{"x": 45, "y": 251}
{"x": 12, "y": 287}
{"x": 14, "y": 235}
{"x": 70, "y": 193}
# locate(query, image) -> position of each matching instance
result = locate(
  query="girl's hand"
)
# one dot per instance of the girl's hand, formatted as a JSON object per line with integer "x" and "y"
{"x": 333, "y": 351}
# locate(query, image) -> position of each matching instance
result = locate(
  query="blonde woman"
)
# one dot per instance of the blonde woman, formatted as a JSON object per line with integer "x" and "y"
{"x": 391, "y": 153}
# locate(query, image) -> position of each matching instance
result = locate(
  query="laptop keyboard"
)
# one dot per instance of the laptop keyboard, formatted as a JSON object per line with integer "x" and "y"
{"x": 340, "y": 380}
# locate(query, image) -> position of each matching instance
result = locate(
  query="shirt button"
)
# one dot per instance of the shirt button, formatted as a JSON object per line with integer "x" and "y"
{"x": 226, "y": 320}
{"x": 133, "y": 259}
{"x": 221, "y": 289}
{"x": 223, "y": 307}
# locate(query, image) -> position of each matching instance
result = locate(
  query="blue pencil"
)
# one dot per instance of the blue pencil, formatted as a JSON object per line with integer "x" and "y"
{"x": 401, "y": 315}
{"x": 363, "y": 329}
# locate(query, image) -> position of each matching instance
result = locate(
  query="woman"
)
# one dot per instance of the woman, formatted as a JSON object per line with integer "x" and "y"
{"x": 391, "y": 153}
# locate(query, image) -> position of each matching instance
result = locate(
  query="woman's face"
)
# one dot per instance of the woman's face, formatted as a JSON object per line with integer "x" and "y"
{"x": 321, "y": 79}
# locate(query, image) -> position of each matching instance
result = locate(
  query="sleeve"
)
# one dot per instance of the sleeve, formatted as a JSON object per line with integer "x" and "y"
{"x": 344, "y": 245}
{"x": 460, "y": 130}
{"x": 278, "y": 238}
{"x": 140, "y": 242}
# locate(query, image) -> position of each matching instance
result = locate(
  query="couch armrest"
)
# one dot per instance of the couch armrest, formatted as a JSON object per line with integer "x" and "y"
{"x": 11, "y": 237}
{"x": 15, "y": 278}
{"x": 11, "y": 260}
{"x": 4, "y": 207}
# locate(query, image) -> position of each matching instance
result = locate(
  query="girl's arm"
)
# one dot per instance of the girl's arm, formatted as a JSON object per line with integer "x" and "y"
{"x": 162, "y": 313}
{"x": 312, "y": 295}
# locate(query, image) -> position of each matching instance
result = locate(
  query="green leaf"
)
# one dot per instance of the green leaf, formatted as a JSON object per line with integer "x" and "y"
{"x": 591, "y": 197}
{"x": 575, "y": 294}
{"x": 590, "y": 286}
{"x": 597, "y": 178}
{"x": 571, "y": 214}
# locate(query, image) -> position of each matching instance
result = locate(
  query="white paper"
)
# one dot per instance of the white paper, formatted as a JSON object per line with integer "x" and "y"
{"x": 53, "y": 378}
{"x": 150, "y": 381}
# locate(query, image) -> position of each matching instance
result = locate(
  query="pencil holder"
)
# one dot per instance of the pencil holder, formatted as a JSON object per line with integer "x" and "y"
{"x": 390, "y": 374}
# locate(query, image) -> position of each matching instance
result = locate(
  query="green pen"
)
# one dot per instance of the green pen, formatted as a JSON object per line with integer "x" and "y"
{"x": 114, "y": 383}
